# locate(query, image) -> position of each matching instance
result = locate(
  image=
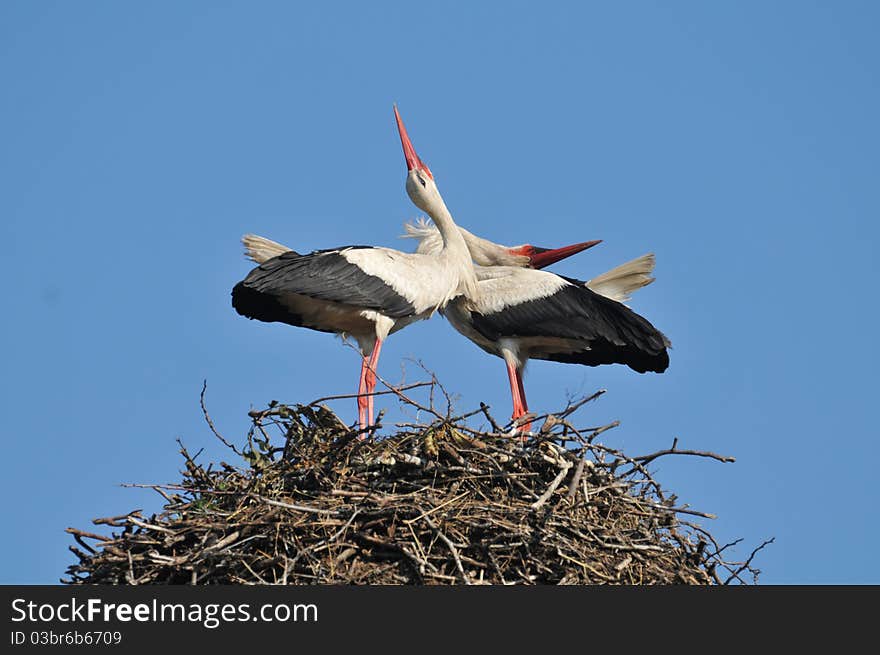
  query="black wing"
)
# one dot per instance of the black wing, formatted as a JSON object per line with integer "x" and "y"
{"x": 611, "y": 332}
{"x": 322, "y": 275}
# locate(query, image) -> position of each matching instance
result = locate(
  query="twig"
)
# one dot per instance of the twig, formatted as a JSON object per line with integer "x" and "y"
{"x": 425, "y": 515}
{"x": 748, "y": 562}
{"x": 576, "y": 478}
{"x": 572, "y": 408}
{"x": 116, "y": 520}
{"x": 543, "y": 498}
{"x": 297, "y": 508}
{"x": 150, "y": 526}
{"x": 644, "y": 459}
{"x": 89, "y": 535}
{"x": 684, "y": 510}
{"x": 485, "y": 409}
{"x": 452, "y": 549}
{"x": 347, "y": 396}
{"x": 409, "y": 401}
{"x": 718, "y": 551}
{"x": 210, "y": 422}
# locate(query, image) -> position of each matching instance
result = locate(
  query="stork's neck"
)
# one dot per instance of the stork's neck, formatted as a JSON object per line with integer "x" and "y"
{"x": 454, "y": 246}
{"x": 439, "y": 213}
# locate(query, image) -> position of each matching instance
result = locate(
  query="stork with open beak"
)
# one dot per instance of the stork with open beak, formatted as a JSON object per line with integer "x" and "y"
{"x": 522, "y": 313}
{"x": 364, "y": 291}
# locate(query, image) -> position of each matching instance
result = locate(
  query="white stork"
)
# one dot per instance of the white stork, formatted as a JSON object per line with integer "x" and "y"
{"x": 541, "y": 307}
{"x": 527, "y": 314}
{"x": 363, "y": 291}
{"x": 521, "y": 314}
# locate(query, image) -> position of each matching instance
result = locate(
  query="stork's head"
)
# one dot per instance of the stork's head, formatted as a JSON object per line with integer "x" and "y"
{"x": 486, "y": 253}
{"x": 423, "y": 192}
{"x": 420, "y": 183}
{"x": 537, "y": 257}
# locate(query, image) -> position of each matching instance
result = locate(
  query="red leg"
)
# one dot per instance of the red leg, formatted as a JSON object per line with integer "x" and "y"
{"x": 371, "y": 378}
{"x": 522, "y": 398}
{"x": 362, "y": 400}
{"x": 518, "y": 409}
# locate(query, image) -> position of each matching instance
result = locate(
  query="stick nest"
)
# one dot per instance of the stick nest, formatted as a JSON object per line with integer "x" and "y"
{"x": 438, "y": 502}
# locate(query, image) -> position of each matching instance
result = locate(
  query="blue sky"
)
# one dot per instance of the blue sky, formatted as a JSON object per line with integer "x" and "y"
{"x": 737, "y": 141}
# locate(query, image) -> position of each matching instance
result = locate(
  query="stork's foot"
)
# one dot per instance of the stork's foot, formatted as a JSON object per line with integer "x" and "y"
{"x": 522, "y": 425}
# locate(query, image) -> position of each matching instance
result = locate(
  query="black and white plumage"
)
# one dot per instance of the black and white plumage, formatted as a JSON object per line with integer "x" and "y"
{"x": 540, "y": 315}
{"x": 361, "y": 291}
{"x": 301, "y": 289}
{"x": 523, "y": 314}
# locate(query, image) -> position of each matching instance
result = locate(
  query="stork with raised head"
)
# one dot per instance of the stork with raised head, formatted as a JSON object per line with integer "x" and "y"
{"x": 363, "y": 291}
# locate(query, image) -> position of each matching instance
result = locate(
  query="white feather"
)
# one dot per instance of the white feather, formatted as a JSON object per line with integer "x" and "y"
{"x": 619, "y": 283}
{"x": 505, "y": 286}
{"x": 260, "y": 249}
{"x": 429, "y": 282}
{"x": 427, "y": 234}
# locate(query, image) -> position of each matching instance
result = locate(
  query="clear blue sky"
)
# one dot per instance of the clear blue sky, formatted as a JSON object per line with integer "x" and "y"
{"x": 738, "y": 141}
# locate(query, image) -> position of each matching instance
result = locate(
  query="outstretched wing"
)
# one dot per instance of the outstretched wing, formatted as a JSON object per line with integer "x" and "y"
{"x": 273, "y": 290}
{"x": 574, "y": 324}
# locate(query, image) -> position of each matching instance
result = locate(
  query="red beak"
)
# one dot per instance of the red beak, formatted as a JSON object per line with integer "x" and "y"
{"x": 409, "y": 152}
{"x": 542, "y": 257}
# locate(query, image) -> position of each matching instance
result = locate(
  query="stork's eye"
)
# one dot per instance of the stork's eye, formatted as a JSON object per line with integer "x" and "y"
{"x": 422, "y": 180}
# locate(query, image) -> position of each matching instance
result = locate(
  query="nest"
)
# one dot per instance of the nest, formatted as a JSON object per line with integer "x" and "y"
{"x": 438, "y": 502}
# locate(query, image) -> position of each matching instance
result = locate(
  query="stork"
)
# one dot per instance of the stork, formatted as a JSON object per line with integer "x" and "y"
{"x": 363, "y": 291}
{"x": 523, "y": 314}
{"x": 501, "y": 286}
